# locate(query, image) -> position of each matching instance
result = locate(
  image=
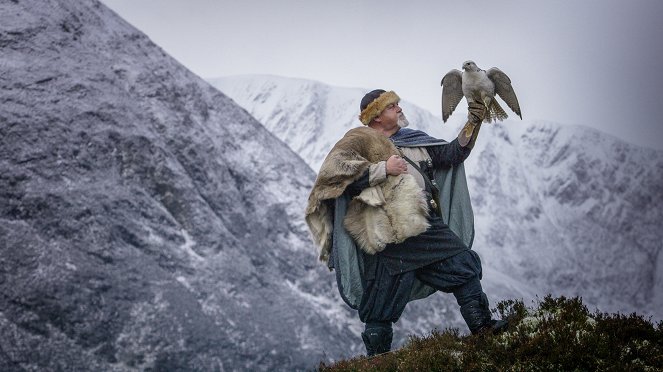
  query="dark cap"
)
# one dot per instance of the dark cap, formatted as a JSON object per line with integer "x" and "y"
{"x": 370, "y": 97}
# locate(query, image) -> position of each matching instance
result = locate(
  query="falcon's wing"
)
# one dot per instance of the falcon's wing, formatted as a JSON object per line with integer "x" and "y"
{"x": 452, "y": 92}
{"x": 504, "y": 89}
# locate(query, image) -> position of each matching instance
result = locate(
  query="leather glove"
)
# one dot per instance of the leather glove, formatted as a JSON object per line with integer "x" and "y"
{"x": 468, "y": 134}
{"x": 475, "y": 115}
{"x": 476, "y": 112}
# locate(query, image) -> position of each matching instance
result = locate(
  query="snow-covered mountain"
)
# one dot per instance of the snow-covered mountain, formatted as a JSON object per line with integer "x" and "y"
{"x": 147, "y": 222}
{"x": 558, "y": 209}
{"x": 308, "y": 115}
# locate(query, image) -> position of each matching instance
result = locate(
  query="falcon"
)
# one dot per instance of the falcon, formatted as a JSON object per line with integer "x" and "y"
{"x": 480, "y": 86}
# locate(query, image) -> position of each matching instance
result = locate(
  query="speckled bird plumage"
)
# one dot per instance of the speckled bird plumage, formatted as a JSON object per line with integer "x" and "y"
{"x": 477, "y": 85}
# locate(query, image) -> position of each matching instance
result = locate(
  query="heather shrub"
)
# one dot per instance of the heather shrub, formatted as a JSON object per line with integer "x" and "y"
{"x": 559, "y": 334}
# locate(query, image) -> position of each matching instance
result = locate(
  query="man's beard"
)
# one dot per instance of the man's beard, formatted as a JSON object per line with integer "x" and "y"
{"x": 402, "y": 120}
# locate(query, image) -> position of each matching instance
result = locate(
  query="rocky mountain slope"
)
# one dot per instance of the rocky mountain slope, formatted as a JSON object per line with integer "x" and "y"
{"x": 559, "y": 209}
{"x": 147, "y": 222}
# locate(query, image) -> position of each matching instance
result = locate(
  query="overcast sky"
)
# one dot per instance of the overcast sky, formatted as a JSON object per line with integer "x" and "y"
{"x": 589, "y": 62}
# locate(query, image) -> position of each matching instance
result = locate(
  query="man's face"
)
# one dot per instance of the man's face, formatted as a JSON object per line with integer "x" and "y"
{"x": 388, "y": 118}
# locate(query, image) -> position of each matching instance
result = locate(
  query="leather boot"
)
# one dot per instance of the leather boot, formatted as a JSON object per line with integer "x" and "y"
{"x": 377, "y": 339}
{"x": 477, "y": 316}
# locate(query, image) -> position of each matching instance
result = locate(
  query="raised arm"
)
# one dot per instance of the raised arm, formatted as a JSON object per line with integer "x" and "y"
{"x": 456, "y": 151}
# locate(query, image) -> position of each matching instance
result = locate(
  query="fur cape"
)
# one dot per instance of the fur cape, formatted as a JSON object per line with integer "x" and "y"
{"x": 386, "y": 213}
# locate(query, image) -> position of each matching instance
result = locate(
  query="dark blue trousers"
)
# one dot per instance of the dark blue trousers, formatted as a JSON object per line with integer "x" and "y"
{"x": 385, "y": 295}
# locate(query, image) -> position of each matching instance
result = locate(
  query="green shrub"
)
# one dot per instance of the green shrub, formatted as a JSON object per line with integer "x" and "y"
{"x": 559, "y": 335}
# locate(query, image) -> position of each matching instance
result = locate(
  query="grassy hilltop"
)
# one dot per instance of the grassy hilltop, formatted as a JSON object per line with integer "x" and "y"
{"x": 559, "y": 335}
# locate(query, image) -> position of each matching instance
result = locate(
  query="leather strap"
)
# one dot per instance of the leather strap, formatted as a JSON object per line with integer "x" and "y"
{"x": 434, "y": 190}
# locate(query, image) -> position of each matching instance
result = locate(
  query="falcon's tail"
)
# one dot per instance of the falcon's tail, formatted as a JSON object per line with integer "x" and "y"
{"x": 495, "y": 112}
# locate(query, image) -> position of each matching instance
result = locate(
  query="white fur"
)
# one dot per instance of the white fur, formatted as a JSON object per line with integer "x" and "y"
{"x": 387, "y": 213}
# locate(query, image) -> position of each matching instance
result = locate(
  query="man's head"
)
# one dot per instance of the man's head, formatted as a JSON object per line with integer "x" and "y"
{"x": 379, "y": 107}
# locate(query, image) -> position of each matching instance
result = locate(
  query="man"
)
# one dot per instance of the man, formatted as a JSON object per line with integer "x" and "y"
{"x": 391, "y": 213}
